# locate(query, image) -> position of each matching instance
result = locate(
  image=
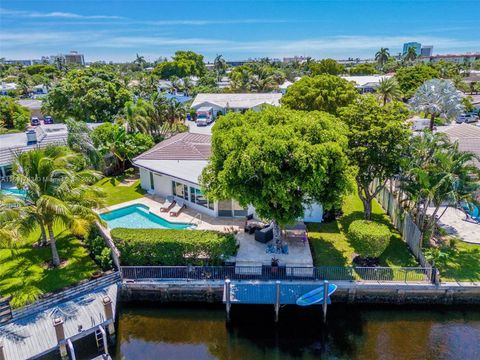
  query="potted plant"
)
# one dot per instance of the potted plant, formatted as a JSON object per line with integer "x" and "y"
{"x": 274, "y": 265}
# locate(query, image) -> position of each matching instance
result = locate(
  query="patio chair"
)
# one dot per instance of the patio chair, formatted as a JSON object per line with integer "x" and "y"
{"x": 177, "y": 208}
{"x": 169, "y": 202}
{"x": 264, "y": 235}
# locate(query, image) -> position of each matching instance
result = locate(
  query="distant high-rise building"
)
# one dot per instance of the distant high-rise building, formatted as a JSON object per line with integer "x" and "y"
{"x": 74, "y": 58}
{"x": 417, "y": 46}
{"x": 427, "y": 50}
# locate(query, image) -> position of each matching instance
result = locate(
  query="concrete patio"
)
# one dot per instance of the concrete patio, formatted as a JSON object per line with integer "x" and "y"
{"x": 454, "y": 222}
{"x": 250, "y": 252}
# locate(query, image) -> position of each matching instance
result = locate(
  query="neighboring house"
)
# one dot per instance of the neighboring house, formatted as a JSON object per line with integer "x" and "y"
{"x": 181, "y": 98}
{"x": 468, "y": 137}
{"x": 35, "y": 107}
{"x": 164, "y": 85}
{"x": 40, "y": 90}
{"x": 5, "y": 88}
{"x": 366, "y": 83}
{"x": 173, "y": 168}
{"x": 283, "y": 87}
{"x": 223, "y": 83}
{"x": 13, "y": 144}
{"x": 223, "y": 103}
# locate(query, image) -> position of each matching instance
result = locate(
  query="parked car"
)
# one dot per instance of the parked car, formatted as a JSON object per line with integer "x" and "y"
{"x": 34, "y": 121}
{"x": 467, "y": 118}
{"x": 48, "y": 120}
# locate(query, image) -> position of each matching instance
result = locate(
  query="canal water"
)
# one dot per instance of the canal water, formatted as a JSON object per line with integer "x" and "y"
{"x": 352, "y": 332}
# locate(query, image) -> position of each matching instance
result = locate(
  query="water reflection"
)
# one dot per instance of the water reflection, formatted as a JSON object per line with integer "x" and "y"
{"x": 200, "y": 332}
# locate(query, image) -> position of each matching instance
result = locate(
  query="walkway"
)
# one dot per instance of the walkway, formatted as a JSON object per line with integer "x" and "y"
{"x": 453, "y": 221}
{"x": 31, "y": 330}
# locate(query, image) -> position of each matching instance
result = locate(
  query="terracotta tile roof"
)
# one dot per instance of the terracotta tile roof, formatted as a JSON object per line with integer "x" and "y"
{"x": 184, "y": 146}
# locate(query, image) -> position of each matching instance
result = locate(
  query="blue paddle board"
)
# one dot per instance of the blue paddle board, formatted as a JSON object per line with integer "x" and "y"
{"x": 315, "y": 296}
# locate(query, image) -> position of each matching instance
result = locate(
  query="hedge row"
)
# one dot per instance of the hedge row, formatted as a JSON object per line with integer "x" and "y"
{"x": 143, "y": 247}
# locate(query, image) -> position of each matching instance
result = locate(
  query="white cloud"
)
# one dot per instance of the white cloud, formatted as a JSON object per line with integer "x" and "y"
{"x": 54, "y": 14}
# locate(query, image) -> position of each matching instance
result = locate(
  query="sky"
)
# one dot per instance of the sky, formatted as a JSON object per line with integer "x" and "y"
{"x": 116, "y": 30}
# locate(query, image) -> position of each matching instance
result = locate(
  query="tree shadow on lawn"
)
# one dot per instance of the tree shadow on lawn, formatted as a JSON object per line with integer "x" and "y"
{"x": 461, "y": 265}
{"x": 323, "y": 250}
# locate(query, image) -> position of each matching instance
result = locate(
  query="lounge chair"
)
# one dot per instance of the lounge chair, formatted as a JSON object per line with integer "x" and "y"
{"x": 264, "y": 235}
{"x": 169, "y": 202}
{"x": 177, "y": 208}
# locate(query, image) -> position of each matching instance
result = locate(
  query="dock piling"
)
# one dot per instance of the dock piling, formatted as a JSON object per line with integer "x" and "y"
{"x": 2, "y": 353}
{"x": 227, "y": 298}
{"x": 325, "y": 300}
{"x": 277, "y": 299}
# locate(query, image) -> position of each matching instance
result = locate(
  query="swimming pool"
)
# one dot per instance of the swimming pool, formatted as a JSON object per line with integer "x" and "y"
{"x": 138, "y": 216}
{"x": 14, "y": 191}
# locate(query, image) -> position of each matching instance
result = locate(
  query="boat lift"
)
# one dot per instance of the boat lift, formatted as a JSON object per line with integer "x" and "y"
{"x": 277, "y": 293}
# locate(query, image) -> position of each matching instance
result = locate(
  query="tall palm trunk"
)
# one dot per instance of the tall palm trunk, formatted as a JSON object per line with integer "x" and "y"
{"x": 432, "y": 122}
{"x": 53, "y": 246}
{"x": 43, "y": 238}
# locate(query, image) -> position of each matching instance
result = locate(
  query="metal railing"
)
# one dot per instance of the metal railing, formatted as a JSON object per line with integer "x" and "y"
{"x": 265, "y": 273}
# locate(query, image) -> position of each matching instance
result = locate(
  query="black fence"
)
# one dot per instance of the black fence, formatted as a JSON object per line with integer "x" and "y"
{"x": 265, "y": 273}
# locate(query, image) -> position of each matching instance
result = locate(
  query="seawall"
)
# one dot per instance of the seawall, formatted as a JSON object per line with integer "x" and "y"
{"x": 347, "y": 292}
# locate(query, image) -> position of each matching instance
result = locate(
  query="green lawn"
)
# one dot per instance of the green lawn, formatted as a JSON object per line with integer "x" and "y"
{"x": 24, "y": 273}
{"x": 461, "y": 263}
{"x": 118, "y": 194}
{"x": 331, "y": 247}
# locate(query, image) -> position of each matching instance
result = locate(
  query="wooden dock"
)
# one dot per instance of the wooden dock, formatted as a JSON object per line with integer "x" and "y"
{"x": 31, "y": 333}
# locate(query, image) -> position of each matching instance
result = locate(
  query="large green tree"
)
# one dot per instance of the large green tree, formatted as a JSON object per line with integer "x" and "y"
{"x": 377, "y": 140}
{"x": 91, "y": 94}
{"x": 12, "y": 115}
{"x": 410, "y": 78}
{"x": 326, "y": 66}
{"x": 382, "y": 56}
{"x": 183, "y": 64}
{"x": 278, "y": 160}
{"x": 324, "y": 92}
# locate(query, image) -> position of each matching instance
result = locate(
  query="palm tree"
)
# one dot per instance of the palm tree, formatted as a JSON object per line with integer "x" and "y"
{"x": 58, "y": 192}
{"x": 437, "y": 98}
{"x": 411, "y": 54}
{"x": 389, "y": 90}
{"x": 140, "y": 61}
{"x": 136, "y": 116}
{"x": 382, "y": 56}
{"x": 436, "y": 173}
{"x": 175, "y": 111}
{"x": 220, "y": 66}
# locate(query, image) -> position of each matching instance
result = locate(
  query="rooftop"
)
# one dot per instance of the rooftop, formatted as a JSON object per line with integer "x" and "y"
{"x": 243, "y": 101}
{"x": 468, "y": 137}
{"x": 362, "y": 80}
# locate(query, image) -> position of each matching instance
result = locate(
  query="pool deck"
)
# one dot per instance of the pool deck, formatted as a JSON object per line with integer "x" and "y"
{"x": 202, "y": 221}
{"x": 250, "y": 252}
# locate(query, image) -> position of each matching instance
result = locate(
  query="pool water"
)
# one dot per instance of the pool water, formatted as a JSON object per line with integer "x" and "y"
{"x": 14, "y": 191}
{"x": 138, "y": 216}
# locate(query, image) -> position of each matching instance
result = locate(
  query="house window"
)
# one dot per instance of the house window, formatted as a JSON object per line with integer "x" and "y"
{"x": 180, "y": 190}
{"x": 197, "y": 197}
{"x": 229, "y": 208}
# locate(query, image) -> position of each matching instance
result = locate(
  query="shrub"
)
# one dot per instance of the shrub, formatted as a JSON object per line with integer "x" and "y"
{"x": 173, "y": 247}
{"x": 100, "y": 251}
{"x": 369, "y": 238}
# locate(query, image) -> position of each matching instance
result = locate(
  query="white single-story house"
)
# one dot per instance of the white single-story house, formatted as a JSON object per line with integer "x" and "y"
{"x": 283, "y": 87}
{"x": 5, "y": 88}
{"x": 173, "y": 168}
{"x": 223, "y": 103}
{"x": 366, "y": 83}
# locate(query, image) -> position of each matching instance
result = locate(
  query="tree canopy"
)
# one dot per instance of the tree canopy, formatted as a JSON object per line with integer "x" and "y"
{"x": 363, "y": 69}
{"x": 324, "y": 93}
{"x": 91, "y": 94}
{"x": 184, "y": 63}
{"x": 13, "y": 115}
{"x": 278, "y": 160}
{"x": 378, "y": 138}
{"x": 325, "y": 66}
{"x": 410, "y": 78}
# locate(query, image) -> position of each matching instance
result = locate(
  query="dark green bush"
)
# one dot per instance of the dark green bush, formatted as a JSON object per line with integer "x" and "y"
{"x": 369, "y": 238}
{"x": 144, "y": 247}
{"x": 101, "y": 253}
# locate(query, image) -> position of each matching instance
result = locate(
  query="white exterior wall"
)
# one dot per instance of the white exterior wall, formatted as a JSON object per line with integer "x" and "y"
{"x": 313, "y": 213}
{"x": 145, "y": 179}
{"x": 163, "y": 184}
